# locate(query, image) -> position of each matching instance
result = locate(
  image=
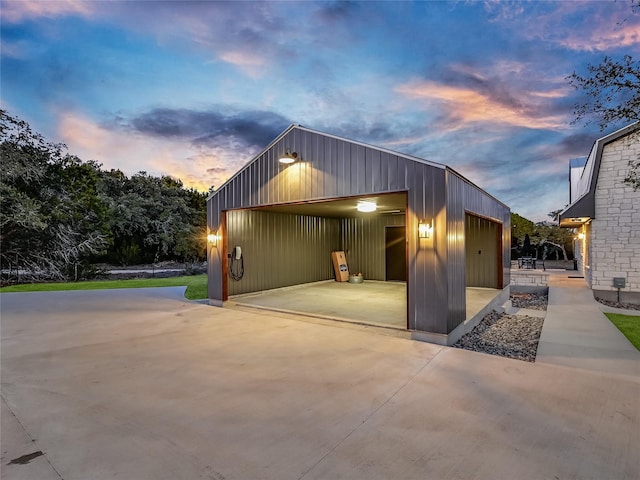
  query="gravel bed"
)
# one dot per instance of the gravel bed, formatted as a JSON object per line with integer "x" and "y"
{"x": 628, "y": 306}
{"x": 512, "y": 336}
{"x": 529, "y": 300}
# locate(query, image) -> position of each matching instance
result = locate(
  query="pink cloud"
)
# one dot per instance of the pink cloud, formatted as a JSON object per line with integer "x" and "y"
{"x": 463, "y": 105}
{"x": 16, "y": 11}
{"x": 602, "y": 39}
{"x": 595, "y": 26}
{"x": 132, "y": 152}
{"x": 250, "y": 63}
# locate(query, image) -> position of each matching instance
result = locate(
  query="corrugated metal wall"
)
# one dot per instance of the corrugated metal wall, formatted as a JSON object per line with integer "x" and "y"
{"x": 427, "y": 288}
{"x": 331, "y": 167}
{"x": 363, "y": 240}
{"x": 327, "y": 168}
{"x": 281, "y": 250}
{"x": 464, "y": 197}
{"x": 482, "y": 252}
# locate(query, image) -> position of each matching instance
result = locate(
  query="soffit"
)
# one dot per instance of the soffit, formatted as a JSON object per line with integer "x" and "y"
{"x": 387, "y": 204}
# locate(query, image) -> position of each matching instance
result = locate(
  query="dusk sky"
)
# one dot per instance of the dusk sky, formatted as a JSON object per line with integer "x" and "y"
{"x": 196, "y": 89}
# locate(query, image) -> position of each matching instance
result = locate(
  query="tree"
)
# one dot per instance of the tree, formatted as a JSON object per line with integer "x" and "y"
{"x": 633, "y": 176}
{"x": 192, "y": 244}
{"x": 547, "y": 233}
{"x": 538, "y": 235}
{"x": 78, "y": 214}
{"x": 49, "y": 218}
{"x": 59, "y": 215}
{"x": 520, "y": 228}
{"x": 613, "y": 92}
{"x": 23, "y": 221}
{"x": 613, "y": 96}
{"x": 526, "y": 246}
{"x": 153, "y": 218}
{"x": 555, "y": 215}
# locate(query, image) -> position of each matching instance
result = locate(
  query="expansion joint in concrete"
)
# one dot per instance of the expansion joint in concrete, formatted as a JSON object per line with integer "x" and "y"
{"x": 371, "y": 414}
{"x": 33, "y": 440}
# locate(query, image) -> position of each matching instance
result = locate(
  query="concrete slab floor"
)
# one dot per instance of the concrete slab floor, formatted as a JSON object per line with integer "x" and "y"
{"x": 134, "y": 384}
{"x": 371, "y": 302}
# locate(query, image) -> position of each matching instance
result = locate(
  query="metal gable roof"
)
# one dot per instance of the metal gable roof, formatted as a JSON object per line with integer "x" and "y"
{"x": 316, "y": 132}
{"x": 583, "y": 208}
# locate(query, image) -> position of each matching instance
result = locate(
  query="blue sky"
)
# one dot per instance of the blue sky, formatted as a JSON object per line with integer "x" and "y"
{"x": 196, "y": 89}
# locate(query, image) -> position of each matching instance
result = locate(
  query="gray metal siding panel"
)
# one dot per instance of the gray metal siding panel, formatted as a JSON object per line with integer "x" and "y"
{"x": 375, "y": 175}
{"x": 463, "y": 197}
{"x": 328, "y": 168}
{"x": 427, "y": 273}
{"x": 331, "y": 154}
{"x": 482, "y": 257}
{"x": 456, "y": 282}
{"x": 363, "y": 240}
{"x": 442, "y": 261}
{"x": 384, "y": 169}
{"x": 358, "y": 168}
{"x": 281, "y": 250}
{"x": 214, "y": 259}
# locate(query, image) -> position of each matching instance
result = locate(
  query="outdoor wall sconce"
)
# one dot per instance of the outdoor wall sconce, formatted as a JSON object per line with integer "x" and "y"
{"x": 581, "y": 236}
{"x": 365, "y": 206}
{"x": 212, "y": 239}
{"x": 425, "y": 230}
{"x": 288, "y": 157}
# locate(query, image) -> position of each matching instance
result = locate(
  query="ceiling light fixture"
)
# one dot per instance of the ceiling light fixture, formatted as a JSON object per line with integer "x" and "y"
{"x": 288, "y": 157}
{"x": 364, "y": 206}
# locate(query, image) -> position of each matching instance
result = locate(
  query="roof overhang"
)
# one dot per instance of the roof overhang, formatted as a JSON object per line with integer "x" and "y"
{"x": 579, "y": 212}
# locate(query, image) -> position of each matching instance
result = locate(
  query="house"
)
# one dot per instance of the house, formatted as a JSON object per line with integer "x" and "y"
{"x": 427, "y": 228}
{"x": 576, "y": 167}
{"x": 605, "y": 212}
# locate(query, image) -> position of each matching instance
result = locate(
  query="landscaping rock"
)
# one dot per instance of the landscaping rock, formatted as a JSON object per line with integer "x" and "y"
{"x": 628, "y": 306}
{"x": 529, "y": 300}
{"x": 512, "y": 336}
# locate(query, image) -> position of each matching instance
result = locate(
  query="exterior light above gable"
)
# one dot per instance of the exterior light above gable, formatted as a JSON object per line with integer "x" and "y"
{"x": 288, "y": 157}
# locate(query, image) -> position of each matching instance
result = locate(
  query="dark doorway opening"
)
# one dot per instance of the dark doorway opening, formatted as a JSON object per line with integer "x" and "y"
{"x": 395, "y": 253}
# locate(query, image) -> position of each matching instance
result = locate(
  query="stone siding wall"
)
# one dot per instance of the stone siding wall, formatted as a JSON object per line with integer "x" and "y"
{"x": 529, "y": 278}
{"x": 614, "y": 246}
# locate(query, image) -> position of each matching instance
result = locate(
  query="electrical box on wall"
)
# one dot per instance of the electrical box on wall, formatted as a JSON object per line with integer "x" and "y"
{"x": 619, "y": 282}
{"x": 340, "y": 266}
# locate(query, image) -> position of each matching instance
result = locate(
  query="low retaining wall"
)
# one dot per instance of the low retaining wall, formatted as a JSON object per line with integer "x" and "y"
{"x": 529, "y": 281}
{"x": 466, "y": 326}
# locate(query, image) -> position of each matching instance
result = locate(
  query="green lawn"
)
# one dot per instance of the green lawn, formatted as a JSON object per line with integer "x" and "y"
{"x": 629, "y": 325}
{"x": 196, "y": 285}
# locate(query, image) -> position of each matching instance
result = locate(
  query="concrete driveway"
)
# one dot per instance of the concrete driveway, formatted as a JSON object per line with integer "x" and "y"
{"x": 140, "y": 384}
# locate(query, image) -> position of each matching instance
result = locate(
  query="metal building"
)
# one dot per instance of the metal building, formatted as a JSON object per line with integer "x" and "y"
{"x": 431, "y": 227}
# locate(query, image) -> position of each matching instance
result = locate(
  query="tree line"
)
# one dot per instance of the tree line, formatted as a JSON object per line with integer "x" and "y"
{"x": 547, "y": 239}
{"x": 60, "y": 216}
